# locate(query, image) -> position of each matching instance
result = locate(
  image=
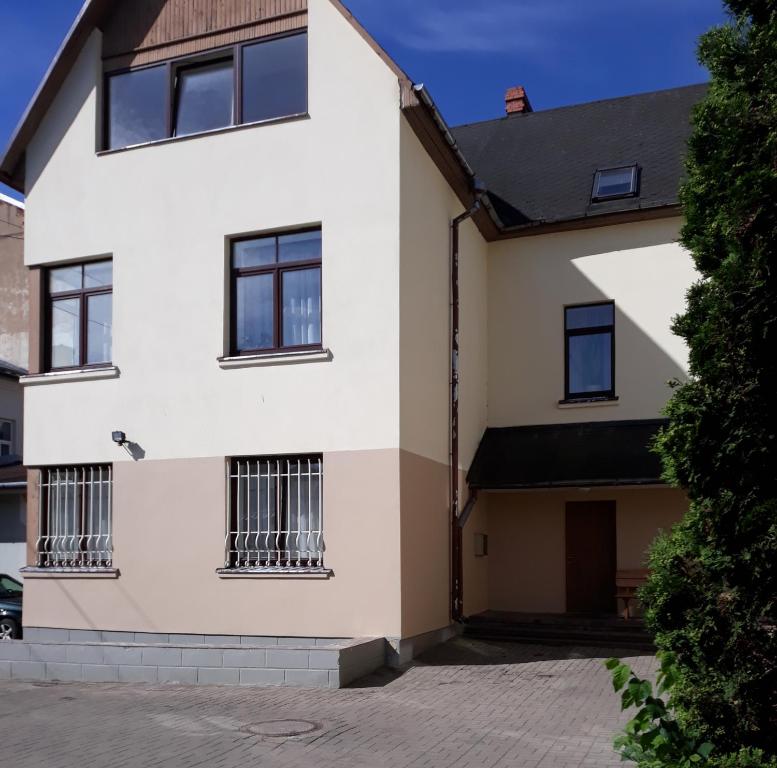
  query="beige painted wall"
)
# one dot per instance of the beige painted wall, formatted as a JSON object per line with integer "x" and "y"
{"x": 638, "y": 265}
{"x": 168, "y": 565}
{"x": 476, "y": 595}
{"x": 427, "y": 206}
{"x": 164, "y": 213}
{"x": 425, "y": 549}
{"x": 527, "y": 563}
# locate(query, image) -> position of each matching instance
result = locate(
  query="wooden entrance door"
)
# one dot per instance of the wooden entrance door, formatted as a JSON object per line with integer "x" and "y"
{"x": 591, "y": 557}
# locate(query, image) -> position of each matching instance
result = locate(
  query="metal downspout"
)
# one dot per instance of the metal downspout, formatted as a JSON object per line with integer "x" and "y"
{"x": 457, "y": 564}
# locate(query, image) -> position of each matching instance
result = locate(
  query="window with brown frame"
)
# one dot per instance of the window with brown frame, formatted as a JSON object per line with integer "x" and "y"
{"x": 76, "y": 520}
{"x": 276, "y": 293}
{"x": 251, "y": 82}
{"x": 274, "y": 514}
{"x": 589, "y": 332}
{"x": 79, "y": 312}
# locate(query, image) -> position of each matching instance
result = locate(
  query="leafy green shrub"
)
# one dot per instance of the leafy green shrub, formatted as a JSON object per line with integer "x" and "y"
{"x": 712, "y": 597}
{"x": 745, "y": 759}
{"x": 654, "y": 738}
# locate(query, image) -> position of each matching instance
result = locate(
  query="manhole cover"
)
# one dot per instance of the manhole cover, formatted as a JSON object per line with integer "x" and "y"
{"x": 284, "y": 729}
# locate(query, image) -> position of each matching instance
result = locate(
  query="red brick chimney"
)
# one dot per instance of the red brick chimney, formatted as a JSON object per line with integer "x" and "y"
{"x": 517, "y": 102}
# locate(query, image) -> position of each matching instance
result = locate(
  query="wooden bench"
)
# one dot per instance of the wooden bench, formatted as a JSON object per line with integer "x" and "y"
{"x": 626, "y": 585}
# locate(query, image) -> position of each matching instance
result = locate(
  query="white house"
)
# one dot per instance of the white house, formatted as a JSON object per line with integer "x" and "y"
{"x": 310, "y": 366}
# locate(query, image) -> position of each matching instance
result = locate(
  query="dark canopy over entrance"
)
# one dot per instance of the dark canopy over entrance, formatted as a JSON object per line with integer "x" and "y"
{"x": 614, "y": 453}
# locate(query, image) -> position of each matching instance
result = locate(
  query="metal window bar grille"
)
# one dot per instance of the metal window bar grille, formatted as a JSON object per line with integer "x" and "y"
{"x": 75, "y": 517}
{"x": 274, "y": 513}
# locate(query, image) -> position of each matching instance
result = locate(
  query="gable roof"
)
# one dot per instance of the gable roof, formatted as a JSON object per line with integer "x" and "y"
{"x": 93, "y": 15}
{"x": 11, "y": 201}
{"x": 539, "y": 167}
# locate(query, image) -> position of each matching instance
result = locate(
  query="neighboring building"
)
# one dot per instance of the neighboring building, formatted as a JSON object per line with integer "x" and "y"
{"x": 247, "y": 386}
{"x": 14, "y": 321}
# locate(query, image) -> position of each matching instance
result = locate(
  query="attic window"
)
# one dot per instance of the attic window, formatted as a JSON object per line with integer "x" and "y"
{"x": 613, "y": 183}
{"x": 251, "y": 82}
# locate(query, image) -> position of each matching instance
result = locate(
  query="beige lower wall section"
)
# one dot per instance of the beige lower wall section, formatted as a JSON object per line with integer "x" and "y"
{"x": 476, "y": 568}
{"x": 526, "y": 562}
{"x": 425, "y": 545}
{"x": 169, "y": 540}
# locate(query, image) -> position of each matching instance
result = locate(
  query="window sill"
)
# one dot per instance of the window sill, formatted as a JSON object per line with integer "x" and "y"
{"x": 275, "y": 573}
{"x": 70, "y": 573}
{"x": 594, "y": 402}
{"x": 79, "y": 374}
{"x": 216, "y": 132}
{"x": 276, "y": 358}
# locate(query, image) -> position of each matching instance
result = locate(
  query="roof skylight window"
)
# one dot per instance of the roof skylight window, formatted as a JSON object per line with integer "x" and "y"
{"x": 612, "y": 183}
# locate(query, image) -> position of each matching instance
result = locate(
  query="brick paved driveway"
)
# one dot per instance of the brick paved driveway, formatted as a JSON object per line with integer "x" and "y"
{"x": 469, "y": 704}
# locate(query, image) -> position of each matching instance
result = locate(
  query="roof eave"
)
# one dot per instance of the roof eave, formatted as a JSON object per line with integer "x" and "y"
{"x": 11, "y": 162}
{"x": 611, "y": 218}
{"x": 566, "y": 484}
{"x": 435, "y": 136}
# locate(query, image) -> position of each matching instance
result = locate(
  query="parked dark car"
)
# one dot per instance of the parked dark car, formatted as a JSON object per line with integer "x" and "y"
{"x": 10, "y": 608}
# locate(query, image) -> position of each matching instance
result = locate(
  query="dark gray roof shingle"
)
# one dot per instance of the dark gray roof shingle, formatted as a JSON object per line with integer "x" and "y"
{"x": 539, "y": 167}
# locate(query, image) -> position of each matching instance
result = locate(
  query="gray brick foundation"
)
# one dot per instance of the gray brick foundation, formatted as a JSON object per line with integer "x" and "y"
{"x": 95, "y": 657}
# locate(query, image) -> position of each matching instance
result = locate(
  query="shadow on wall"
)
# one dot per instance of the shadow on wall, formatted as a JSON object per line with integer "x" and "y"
{"x": 639, "y": 266}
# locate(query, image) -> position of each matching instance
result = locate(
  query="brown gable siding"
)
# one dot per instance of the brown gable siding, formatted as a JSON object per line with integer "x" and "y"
{"x": 148, "y": 31}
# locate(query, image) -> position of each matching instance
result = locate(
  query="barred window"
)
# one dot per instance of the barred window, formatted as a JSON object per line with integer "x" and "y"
{"x": 274, "y": 515}
{"x": 75, "y": 517}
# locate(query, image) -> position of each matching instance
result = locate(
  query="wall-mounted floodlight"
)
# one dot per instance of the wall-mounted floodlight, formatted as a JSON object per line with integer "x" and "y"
{"x": 120, "y": 438}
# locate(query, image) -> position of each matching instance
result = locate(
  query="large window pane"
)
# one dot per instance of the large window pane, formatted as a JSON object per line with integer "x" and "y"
{"x": 304, "y": 246}
{"x": 615, "y": 183}
{"x": 590, "y": 364}
{"x": 65, "y": 337}
{"x": 76, "y": 521}
{"x": 137, "y": 107}
{"x": 65, "y": 279}
{"x": 204, "y": 98}
{"x": 255, "y": 312}
{"x": 302, "y": 307}
{"x": 98, "y": 274}
{"x": 275, "y": 78}
{"x": 255, "y": 253}
{"x": 593, "y": 316}
{"x": 99, "y": 329}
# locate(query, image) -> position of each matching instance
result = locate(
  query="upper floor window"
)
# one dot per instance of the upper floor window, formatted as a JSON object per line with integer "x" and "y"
{"x": 275, "y": 513}
{"x": 6, "y": 437}
{"x": 80, "y": 315}
{"x": 76, "y": 525}
{"x": 247, "y": 83}
{"x": 590, "y": 351}
{"x": 276, "y": 293}
{"x": 204, "y": 97}
{"x": 613, "y": 183}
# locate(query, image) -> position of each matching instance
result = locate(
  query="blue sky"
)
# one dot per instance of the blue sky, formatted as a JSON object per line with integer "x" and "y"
{"x": 468, "y": 54}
